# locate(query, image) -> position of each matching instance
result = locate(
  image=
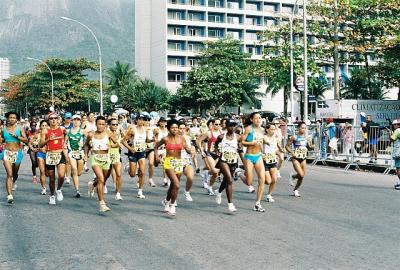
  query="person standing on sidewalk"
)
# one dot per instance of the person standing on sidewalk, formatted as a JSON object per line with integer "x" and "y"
{"x": 395, "y": 137}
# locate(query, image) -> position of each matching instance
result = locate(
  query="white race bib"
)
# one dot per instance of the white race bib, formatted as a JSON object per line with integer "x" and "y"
{"x": 53, "y": 158}
{"x": 10, "y": 156}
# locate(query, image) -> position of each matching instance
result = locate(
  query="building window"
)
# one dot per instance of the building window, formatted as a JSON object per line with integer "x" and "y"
{"x": 215, "y": 33}
{"x": 175, "y": 77}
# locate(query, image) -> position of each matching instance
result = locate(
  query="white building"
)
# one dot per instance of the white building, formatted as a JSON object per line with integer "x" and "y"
{"x": 4, "y": 74}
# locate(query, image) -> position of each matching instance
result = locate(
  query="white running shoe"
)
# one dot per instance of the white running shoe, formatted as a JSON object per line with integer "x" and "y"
{"x": 232, "y": 207}
{"x": 205, "y": 185}
{"x": 188, "y": 198}
{"x": 218, "y": 197}
{"x": 14, "y": 187}
{"x": 151, "y": 183}
{"x": 270, "y": 199}
{"x": 90, "y": 189}
{"x": 140, "y": 195}
{"x": 43, "y": 192}
{"x": 278, "y": 174}
{"x": 251, "y": 189}
{"x": 105, "y": 190}
{"x": 118, "y": 197}
{"x": 258, "y": 208}
{"x": 67, "y": 180}
{"x": 296, "y": 193}
{"x": 210, "y": 191}
{"x": 52, "y": 200}
{"x": 103, "y": 207}
{"x": 165, "y": 182}
{"x": 291, "y": 179}
{"x": 167, "y": 207}
{"x": 172, "y": 210}
{"x": 59, "y": 195}
{"x": 10, "y": 199}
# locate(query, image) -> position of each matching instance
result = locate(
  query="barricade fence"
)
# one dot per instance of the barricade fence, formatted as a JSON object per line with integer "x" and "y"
{"x": 353, "y": 145}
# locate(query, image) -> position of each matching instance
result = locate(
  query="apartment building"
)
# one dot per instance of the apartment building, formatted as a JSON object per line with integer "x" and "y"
{"x": 170, "y": 33}
{"x": 4, "y": 74}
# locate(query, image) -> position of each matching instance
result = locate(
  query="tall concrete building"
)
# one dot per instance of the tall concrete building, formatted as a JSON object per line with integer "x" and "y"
{"x": 170, "y": 33}
{"x": 4, "y": 74}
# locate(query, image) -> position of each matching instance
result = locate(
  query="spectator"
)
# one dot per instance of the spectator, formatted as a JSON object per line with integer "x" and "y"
{"x": 331, "y": 131}
{"x": 396, "y": 150}
{"x": 348, "y": 140}
{"x": 373, "y": 131}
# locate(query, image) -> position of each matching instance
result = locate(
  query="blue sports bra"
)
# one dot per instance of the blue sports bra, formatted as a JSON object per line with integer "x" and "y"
{"x": 10, "y": 139}
{"x": 300, "y": 141}
{"x": 250, "y": 136}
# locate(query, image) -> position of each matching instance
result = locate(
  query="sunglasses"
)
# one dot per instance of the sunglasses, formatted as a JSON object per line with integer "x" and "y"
{"x": 114, "y": 125}
{"x": 53, "y": 118}
{"x": 217, "y": 124}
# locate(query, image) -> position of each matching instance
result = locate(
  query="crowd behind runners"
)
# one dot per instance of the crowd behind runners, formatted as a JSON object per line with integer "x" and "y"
{"x": 232, "y": 148}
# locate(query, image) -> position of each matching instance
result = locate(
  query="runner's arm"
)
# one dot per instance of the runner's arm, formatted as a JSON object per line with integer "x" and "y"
{"x": 127, "y": 136}
{"x": 288, "y": 145}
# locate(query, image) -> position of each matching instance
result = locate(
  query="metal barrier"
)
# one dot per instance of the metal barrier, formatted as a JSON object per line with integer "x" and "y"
{"x": 354, "y": 145}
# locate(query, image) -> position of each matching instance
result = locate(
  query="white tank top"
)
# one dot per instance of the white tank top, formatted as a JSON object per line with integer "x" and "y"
{"x": 184, "y": 154}
{"x": 100, "y": 144}
{"x": 229, "y": 150}
{"x": 162, "y": 134}
{"x": 270, "y": 150}
{"x": 139, "y": 141}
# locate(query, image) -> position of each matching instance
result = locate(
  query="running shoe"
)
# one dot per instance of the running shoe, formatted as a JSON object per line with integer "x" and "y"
{"x": 258, "y": 208}
{"x": 103, "y": 207}
{"x": 397, "y": 186}
{"x": 85, "y": 167}
{"x": 52, "y": 200}
{"x": 10, "y": 199}
{"x": 78, "y": 194}
{"x": 175, "y": 203}
{"x": 105, "y": 190}
{"x": 237, "y": 173}
{"x": 59, "y": 195}
{"x": 291, "y": 179}
{"x": 270, "y": 199}
{"x": 172, "y": 210}
{"x": 166, "y": 207}
{"x": 34, "y": 179}
{"x": 218, "y": 197}
{"x": 118, "y": 197}
{"x": 232, "y": 207}
{"x": 67, "y": 180}
{"x": 251, "y": 189}
{"x": 43, "y": 192}
{"x": 278, "y": 174}
{"x": 210, "y": 191}
{"x": 296, "y": 193}
{"x": 140, "y": 195}
{"x": 165, "y": 182}
{"x": 205, "y": 185}
{"x": 165, "y": 202}
{"x": 90, "y": 189}
{"x": 151, "y": 183}
{"x": 14, "y": 188}
{"x": 188, "y": 198}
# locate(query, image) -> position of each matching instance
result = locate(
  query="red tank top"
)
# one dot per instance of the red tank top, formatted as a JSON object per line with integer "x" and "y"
{"x": 56, "y": 137}
{"x": 212, "y": 140}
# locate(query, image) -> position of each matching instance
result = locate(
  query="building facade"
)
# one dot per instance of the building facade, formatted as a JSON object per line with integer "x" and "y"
{"x": 4, "y": 74}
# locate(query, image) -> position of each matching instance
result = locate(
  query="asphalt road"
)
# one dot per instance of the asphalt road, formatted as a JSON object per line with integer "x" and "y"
{"x": 344, "y": 220}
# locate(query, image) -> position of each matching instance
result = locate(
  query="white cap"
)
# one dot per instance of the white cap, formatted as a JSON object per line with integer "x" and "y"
{"x": 76, "y": 116}
{"x": 395, "y": 121}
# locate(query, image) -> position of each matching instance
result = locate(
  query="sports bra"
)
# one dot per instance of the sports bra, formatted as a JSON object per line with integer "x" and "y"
{"x": 300, "y": 142}
{"x": 254, "y": 136}
{"x": 174, "y": 146}
{"x": 10, "y": 139}
{"x": 100, "y": 144}
{"x": 212, "y": 140}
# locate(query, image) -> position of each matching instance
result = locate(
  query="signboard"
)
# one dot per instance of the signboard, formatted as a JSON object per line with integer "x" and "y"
{"x": 312, "y": 99}
{"x": 299, "y": 83}
{"x": 380, "y": 110}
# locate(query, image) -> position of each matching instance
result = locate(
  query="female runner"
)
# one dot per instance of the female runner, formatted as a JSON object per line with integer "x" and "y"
{"x": 115, "y": 156}
{"x": 253, "y": 139}
{"x": 33, "y": 147}
{"x": 297, "y": 146}
{"x": 188, "y": 169}
{"x": 173, "y": 164}
{"x": 227, "y": 146}
{"x": 12, "y": 135}
{"x": 159, "y": 133}
{"x": 41, "y": 158}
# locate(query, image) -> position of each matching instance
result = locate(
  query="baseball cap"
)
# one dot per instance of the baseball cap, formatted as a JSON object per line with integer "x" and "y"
{"x": 231, "y": 122}
{"x": 162, "y": 119}
{"x": 68, "y": 115}
{"x": 396, "y": 121}
{"x": 76, "y": 116}
{"x": 52, "y": 114}
{"x": 140, "y": 116}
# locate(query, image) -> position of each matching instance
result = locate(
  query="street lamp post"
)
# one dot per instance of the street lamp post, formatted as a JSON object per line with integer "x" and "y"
{"x": 291, "y": 64}
{"x": 51, "y": 75}
{"x": 98, "y": 46}
{"x": 305, "y": 93}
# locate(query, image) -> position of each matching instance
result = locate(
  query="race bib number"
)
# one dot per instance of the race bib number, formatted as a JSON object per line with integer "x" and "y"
{"x": 300, "y": 152}
{"x": 53, "y": 158}
{"x": 76, "y": 154}
{"x": 270, "y": 158}
{"x": 150, "y": 145}
{"x": 10, "y": 156}
{"x": 115, "y": 157}
{"x": 102, "y": 157}
{"x": 229, "y": 157}
{"x": 177, "y": 165}
{"x": 139, "y": 146}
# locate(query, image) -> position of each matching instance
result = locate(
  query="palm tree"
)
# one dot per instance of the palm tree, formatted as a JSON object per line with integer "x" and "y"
{"x": 357, "y": 87}
{"x": 120, "y": 75}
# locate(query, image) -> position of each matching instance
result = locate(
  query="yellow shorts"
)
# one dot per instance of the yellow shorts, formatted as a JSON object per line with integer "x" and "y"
{"x": 115, "y": 157}
{"x": 101, "y": 160}
{"x": 171, "y": 163}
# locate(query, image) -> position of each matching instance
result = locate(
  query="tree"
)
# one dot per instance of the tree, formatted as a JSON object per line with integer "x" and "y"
{"x": 276, "y": 64}
{"x": 225, "y": 77}
{"x": 120, "y": 76}
{"x": 151, "y": 97}
{"x": 72, "y": 89}
{"x": 388, "y": 68}
{"x": 357, "y": 87}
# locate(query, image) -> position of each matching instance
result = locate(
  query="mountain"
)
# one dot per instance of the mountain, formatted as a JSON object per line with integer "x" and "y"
{"x": 34, "y": 28}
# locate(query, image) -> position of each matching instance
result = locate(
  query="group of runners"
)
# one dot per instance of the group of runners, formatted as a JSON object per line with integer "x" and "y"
{"x": 63, "y": 148}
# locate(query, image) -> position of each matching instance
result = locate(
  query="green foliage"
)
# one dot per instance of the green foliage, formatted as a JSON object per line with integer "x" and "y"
{"x": 225, "y": 77}
{"x": 72, "y": 89}
{"x": 357, "y": 87}
{"x": 388, "y": 68}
